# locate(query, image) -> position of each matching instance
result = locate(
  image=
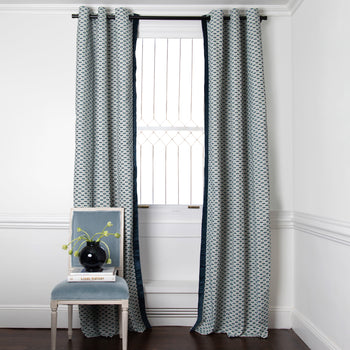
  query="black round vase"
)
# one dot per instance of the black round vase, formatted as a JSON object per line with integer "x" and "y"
{"x": 92, "y": 257}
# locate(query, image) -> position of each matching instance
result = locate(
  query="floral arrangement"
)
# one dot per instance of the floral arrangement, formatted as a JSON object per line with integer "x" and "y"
{"x": 85, "y": 237}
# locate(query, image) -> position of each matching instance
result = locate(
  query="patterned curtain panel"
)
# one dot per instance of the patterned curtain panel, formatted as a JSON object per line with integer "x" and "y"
{"x": 105, "y": 169}
{"x": 235, "y": 254}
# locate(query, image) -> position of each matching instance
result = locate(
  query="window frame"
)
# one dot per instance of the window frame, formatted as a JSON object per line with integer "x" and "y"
{"x": 180, "y": 30}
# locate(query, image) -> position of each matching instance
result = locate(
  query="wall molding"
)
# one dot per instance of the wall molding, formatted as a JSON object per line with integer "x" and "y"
{"x": 9, "y": 222}
{"x": 150, "y": 29}
{"x": 184, "y": 223}
{"x": 293, "y": 5}
{"x": 268, "y": 8}
{"x": 173, "y": 215}
{"x": 326, "y": 228}
{"x": 34, "y": 316}
{"x": 157, "y": 217}
{"x": 310, "y": 334}
{"x": 159, "y": 312}
{"x": 38, "y": 316}
{"x": 280, "y": 317}
{"x": 160, "y": 316}
{"x": 281, "y": 219}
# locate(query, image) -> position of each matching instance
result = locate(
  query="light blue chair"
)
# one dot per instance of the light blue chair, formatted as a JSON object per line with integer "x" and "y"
{"x": 94, "y": 293}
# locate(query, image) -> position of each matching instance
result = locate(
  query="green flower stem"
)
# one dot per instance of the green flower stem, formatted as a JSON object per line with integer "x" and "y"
{"x": 72, "y": 241}
{"x": 86, "y": 234}
{"x": 97, "y": 233}
{"x": 103, "y": 235}
{"x": 76, "y": 242}
{"x": 109, "y": 253}
{"x": 78, "y": 250}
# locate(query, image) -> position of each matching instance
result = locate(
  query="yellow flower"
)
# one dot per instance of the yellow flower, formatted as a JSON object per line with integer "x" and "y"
{"x": 64, "y": 247}
{"x": 117, "y": 235}
{"x": 109, "y": 261}
{"x": 76, "y": 253}
{"x": 78, "y": 229}
{"x": 70, "y": 251}
{"x": 109, "y": 224}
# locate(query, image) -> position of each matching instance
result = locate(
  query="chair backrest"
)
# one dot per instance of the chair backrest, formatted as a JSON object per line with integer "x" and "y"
{"x": 93, "y": 220}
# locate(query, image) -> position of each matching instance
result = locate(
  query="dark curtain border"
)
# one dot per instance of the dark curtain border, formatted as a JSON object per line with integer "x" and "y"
{"x": 205, "y": 195}
{"x": 136, "y": 244}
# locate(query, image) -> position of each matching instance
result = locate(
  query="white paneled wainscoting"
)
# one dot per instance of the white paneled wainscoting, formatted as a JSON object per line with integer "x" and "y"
{"x": 170, "y": 246}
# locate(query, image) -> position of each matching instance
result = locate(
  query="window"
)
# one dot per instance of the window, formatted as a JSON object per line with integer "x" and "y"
{"x": 170, "y": 113}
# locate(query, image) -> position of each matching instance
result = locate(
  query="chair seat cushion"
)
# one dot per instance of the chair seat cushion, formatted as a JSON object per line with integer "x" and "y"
{"x": 91, "y": 290}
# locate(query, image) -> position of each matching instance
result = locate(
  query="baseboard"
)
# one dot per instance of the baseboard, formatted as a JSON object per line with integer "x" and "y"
{"x": 310, "y": 334}
{"x": 34, "y": 316}
{"x": 172, "y": 316}
{"x": 38, "y": 316}
{"x": 280, "y": 317}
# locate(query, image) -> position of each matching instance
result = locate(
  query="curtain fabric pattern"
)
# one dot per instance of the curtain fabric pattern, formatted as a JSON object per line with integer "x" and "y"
{"x": 105, "y": 168}
{"x": 235, "y": 253}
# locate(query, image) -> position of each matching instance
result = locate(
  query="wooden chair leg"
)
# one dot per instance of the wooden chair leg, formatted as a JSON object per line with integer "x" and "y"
{"x": 54, "y": 306}
{"x": 120, "y": 321}
{"x": 125, "y": 327}
{"x": 70, "y": 320}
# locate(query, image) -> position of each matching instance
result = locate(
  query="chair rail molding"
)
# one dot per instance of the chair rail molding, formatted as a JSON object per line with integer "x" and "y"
{"x": 326, "y": 228}
{"x": 281, "y": 219}
{"x": 156, "y": 216}
{"x": 41, "y": 222}
{"x": 323, "y": 227}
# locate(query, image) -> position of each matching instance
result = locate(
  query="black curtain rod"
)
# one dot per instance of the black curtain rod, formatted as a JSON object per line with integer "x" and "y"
{"x": 186, "y": 18}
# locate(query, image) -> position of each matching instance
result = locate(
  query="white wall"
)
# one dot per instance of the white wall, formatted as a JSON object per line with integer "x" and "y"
{"x": 37, "y": 113}
{"x": 321, "y": 72}
{"x": 321, "y": 108}
{"x": 277, "y": 62}
{"x": 37, "y": 78}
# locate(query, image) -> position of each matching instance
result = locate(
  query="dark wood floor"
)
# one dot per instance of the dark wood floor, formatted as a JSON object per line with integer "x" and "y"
{"x": 159, "y": 338}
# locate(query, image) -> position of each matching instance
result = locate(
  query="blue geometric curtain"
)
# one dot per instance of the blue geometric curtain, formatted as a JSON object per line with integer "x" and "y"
{"x": 235, "y": 252}
{"x": 105, "y": 167}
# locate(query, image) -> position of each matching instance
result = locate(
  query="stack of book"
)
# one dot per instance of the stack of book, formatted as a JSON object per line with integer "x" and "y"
{"x": 78, "y": 274}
